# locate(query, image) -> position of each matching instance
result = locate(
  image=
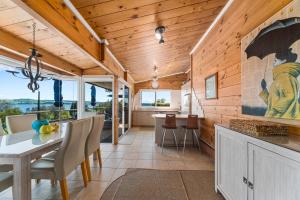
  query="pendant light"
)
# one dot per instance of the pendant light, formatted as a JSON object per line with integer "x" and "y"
{"x": 154, "y": 82}
{"x": 34, "y": 58}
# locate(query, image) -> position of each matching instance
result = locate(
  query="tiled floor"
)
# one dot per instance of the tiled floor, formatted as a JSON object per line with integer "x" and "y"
{"x": 141, "y": 153}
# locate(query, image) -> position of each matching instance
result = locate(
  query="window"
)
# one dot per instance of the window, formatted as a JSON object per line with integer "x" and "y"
{"x": 163, "y": 98}
{"x": 159, "y": 98}
{"x": 103, "y": 98}
{"x": 147, "y": 98}
{"x": 17, "y": 99}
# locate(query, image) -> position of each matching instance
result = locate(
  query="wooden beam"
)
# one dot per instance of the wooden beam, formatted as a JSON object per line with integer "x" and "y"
{"x": 16, "y": 45}
{"x": 56, "y": 15}
{"x": 116, "y": 110}
{"x": 95, "y": 71}
{"x": 126, "y": 76}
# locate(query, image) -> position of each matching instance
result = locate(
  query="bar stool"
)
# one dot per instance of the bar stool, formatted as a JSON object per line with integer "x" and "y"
{"x": 170, "y": 124}
{"x": 191, "y": 125}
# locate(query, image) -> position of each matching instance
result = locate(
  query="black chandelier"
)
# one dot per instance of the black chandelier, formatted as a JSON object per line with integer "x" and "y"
{"x": 34, "y": 58}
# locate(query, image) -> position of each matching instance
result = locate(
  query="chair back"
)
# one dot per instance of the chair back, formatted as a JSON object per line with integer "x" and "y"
{"x": 2, "y": 132}
{"x": 170, "y": 121}
{"x": 93, "y": 140}
{"x": 71, "y": 153}
{"x": 192, "y": 122}
{"x": 19, "y": 123}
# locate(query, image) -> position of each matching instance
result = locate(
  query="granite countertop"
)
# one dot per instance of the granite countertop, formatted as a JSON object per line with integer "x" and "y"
{"x": 290, "y": 141}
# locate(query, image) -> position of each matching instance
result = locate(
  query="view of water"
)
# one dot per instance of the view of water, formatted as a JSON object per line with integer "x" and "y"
{"x": 28, "y": 107}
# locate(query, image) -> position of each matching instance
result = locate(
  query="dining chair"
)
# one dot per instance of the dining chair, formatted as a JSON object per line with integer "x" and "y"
{"x": 6, "y": 180}
{"x": 93, "y": 142}
{"x": 191, "y": 125}
{"x": 19, "y": 123}
{"x": 170, "y": 124}
{"x": 67, "y": 158}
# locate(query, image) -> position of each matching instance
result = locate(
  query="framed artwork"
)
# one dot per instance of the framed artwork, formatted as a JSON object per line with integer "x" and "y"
{"x": 211, "y": 87}
{"x": 270, "y": 66}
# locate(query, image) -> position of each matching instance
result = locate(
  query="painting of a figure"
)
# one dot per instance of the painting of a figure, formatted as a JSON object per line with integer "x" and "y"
{"x": 271, "y": 70}
{"x": 282, "y": 98}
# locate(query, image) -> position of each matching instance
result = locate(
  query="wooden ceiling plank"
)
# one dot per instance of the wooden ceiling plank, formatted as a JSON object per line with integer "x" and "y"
{"x": 6, "y": 4}
{"x": 168, "y": 22}
{"x": 154, "y": 50}
{"x": 130, "y": 31}
{"x": 59, "y": 17}
{"x": 151, "y": 48}
{"x": 12, "y": 16}
{"x": 201, "y": 7}
{"x": 108, "y": 8}
{"x": 85, "y": 3}
{"x": 152, "y": 40}
{"x": 169, "y": 33}
{"x": 155, "y": 8}
{"x": 21, "y": 47}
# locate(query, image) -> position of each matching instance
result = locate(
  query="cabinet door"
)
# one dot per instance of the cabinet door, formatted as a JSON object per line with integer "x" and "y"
{"x": 274, "y": 177}
{"x": 231, "y": 164}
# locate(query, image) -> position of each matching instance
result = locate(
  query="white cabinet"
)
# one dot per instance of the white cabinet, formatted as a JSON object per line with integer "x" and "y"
{"x": 274, "y": 177}
{"x": 251, "y": 169}
{"x": 232, "y": 165}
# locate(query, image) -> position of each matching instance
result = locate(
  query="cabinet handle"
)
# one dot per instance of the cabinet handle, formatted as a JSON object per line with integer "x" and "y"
{"x": 250, "y": 185}
{"x": 245, "y": 180}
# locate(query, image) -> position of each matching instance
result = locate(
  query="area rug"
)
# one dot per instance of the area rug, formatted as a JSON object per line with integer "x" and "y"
{"x": 148, "y": 184}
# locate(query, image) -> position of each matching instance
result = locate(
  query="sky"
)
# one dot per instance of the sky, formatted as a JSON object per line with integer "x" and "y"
{"x": 101, "y": 94}
{"x": 12, "y": 87}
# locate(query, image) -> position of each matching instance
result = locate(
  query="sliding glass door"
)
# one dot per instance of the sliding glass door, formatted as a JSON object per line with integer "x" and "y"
{"x": 123, "y": 109}
{"x": 98, "y": 100}
{"x": 126, "y": 108}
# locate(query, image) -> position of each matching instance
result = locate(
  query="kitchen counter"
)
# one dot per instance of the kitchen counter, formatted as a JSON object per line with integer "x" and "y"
{"x": 290, "y": 141}
{"x": 144, "y": 117}
{"x": 180, "y": 120}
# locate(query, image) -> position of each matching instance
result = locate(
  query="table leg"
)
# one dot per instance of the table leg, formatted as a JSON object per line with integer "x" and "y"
{"x": 22, "y": 179}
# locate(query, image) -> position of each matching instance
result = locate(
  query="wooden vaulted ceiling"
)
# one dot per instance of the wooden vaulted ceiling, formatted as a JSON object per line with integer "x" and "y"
{"x": 17, "y": 22}
{"x": 129, "y": 26}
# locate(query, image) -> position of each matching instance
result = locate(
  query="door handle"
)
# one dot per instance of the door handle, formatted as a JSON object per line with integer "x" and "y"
{"x": 250, "y": 185}
{"x": 245, "y": 180}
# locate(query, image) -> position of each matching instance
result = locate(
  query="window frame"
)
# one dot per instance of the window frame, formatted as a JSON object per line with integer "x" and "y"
{"x": 155, "y": 98}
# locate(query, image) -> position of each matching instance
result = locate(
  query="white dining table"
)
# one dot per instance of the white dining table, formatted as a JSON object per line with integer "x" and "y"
{"x": 20, "y": 149}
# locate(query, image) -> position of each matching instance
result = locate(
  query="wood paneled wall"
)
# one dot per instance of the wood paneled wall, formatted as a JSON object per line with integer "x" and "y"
{"x": 221, "y": 52}
{"x": 173, "y": 82}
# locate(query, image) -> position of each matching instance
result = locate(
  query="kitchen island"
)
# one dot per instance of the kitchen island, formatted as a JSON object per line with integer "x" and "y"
{"x": 169, "y": 141}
